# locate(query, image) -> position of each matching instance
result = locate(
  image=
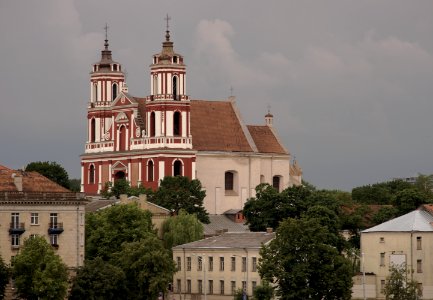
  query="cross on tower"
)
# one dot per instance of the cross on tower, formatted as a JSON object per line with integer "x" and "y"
{"x": 167, "y": 19}
{"x": 269, "y": 108}
{"x": 106, "y": 31}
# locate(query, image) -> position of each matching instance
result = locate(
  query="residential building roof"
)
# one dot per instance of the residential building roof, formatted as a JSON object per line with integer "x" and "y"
{"x": 417, "y": 220}
{"x": 231, "y": 240}
{"x": 222, "y": 223}
{"x": 98, "y": 204}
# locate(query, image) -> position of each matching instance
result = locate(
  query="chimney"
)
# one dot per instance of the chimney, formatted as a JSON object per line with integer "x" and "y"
{"x": 269, "y": 230}
{"x": 123, "y": 198}
{"x": 18, "y": 181}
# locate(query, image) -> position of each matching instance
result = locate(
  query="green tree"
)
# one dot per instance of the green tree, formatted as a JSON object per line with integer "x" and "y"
{"x": 107, "y": 229}
{"x": 181, "y": 229}
{"x": 148, "y": 266}
{"x": 122, "y": 186}
{"x": 179, "y": 192}
{"x": 239, "y": 293}
{"x": 75, "y": 185}
{"x": 398, "y": 285}
{"x": 424, "y": 183}
{"x": 51, "y": 170}
{"x": 4, "y": 277}
{"x": 263, "y": 292}
{"x": 384, "y": 214}
{"x": 38, "y": 272}
{"x": 408, "y": 200}
{"x": 379, "y": 193}
{"x": 302, "y": 265}
{"x": 98, "y": 280}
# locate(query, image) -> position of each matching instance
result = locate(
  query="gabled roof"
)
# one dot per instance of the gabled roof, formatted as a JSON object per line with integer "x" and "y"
{"x": 265, "y": 139}
{"x": 222, "y": 222}
{"x": 417, "y": 220}
{"x": 231, "y": 240}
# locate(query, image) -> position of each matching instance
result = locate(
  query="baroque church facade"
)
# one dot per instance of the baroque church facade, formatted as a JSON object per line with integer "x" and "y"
{"x": 143, "y": 139}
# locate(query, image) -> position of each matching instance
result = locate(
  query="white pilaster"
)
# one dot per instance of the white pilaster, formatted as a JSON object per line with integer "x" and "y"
{"x": 184, "y": 119}
{"x": 82, "y": 179}
{"x": 193, "y": 175}
{"x": 109, "y": 90}
{"x": 161, "y": 166}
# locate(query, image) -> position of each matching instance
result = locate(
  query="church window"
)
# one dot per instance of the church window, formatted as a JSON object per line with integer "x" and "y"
{"x": 276, "y": 181}
{"x": 176, "y": 123}
{"x": 92, "y": 130}
{"x": 150, "y": 171}
{"x": 95, "y": 92}
{"x": 122, "y": 138}
{"x": 114, "y": 91}
{"x": 175, "y": 87}
{"x": 155, "y": 85}
{"x": 175, "y": 59}
{"x": 229, "y": 181}
{"x": 177, "y": 168}
{"x": 92, "y": 174}
{"x": 152, "y": 124}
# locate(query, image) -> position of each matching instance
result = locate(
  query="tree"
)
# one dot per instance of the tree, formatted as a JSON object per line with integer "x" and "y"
{"x": 98, "y": 280}
{"x": 123, "y": 186}
{"x": 38, "y": 272}
{"x": 179, "y": 192}
{"x": 379, "y": 193}
{"x": 408, "y": 200}
{"x": 51, "y": 170}
{"x": 384, "y": 214}
{"x": 148, "y": 266}
{"x": 181, "y": 229}
{"x": 398, "y": 286}
{"x": 75, "y": 185}
{"x": 424, "y": 183}
{"x": 4, "y": 277}
{"x": 263, "y": 292}
{"x": 107, "y": 229}
{"x": 302, "y": 265}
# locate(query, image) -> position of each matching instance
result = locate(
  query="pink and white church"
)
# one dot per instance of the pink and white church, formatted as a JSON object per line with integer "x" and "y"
{"x": 166, "y": 133}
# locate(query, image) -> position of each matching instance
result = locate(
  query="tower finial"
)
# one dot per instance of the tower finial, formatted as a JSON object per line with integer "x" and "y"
{"x": 106, "y": 36}
{"x": 167, "y": 31}
{"x": 269, "y": 108}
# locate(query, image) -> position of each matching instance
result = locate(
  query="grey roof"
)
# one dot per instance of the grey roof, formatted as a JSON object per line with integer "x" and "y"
{"x": 417, "y": 220}
{"x": 97, "y": 204}
{"x": 231, "y": 240}
{"x": 222, "y": 222}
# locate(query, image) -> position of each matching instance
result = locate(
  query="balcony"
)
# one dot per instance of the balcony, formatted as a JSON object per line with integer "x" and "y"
{"x": 16, "y": 228}
{"x": 55, "y": 228}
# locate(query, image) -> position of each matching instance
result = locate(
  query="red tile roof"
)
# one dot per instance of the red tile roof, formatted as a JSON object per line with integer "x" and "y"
{"x": 265, "y": 139}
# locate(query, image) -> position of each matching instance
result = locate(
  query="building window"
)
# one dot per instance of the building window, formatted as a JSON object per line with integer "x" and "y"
{"x": 15, "y": 220}
{"x": 419, "y": 266}
{"x": 177, "y": 168}
{"x": 114, "y": 90}
{"x": 222, "y": 287}
{"x": 176, "y": 123}
{"x": 418, "y": 243}
{"x": 199, "y": 263}
{"x": 210, "y": 284}
{"x": 382, "y": 286}
{"x": 32, "y": 236}
{"x": 253, "y": 285}
{"x": 244, "y": 264}
{"x": 419, "y": 288}
{"x": 93, "y": 130}
{"x": 200, "y": 286}
{"x": 276, "y": 182}
{"x": 175, "y": 59}
{"x": 174, "y": 91}
{"x": 34, "y": 219}
{"x": 53, "y": 220}
{"x": 233, "y": 287}
{"x": 221, "y": 263}
{"x": 188, "y": 286}
{"x": 244, "y": 286}
{"x": 15, "y": 240}
{"x": 152, "y": 124}
{"x": 122, "y": 138}
{"x": 150, "y": 170}
{"x": 54, "y": 239}
{"x": 382, "y": 259}
{"x": 155, "y": 84}
{"x": 188, "y": 263}
{"x": 92, "y": 174}
{"x": 229, "y": 181}
{"x": 179, "y": 286}
{"x": 179, "y": 263}
{"x": 254, "y": 268}
{"x": 233, "y": 263}
{"x": 210, "y": 263}
{"x": 382, "y": 239}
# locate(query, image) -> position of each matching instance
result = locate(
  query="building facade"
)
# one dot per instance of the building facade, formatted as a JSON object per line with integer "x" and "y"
{"x": 30, "y": 204}
{"x": 143, "y": 139}
{"x": 215, "y": 267}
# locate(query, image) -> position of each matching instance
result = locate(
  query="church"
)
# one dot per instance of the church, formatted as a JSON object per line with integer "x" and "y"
{"x": 167, "y": 133}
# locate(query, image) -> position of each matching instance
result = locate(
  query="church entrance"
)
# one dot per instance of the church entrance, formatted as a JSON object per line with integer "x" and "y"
{"x": 119, "y": 175}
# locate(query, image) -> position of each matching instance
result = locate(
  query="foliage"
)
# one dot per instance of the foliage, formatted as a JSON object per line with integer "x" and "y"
{"x": 38, "y": 272}
{"x": 302, "y": 265}
{"x": 424, "y": 184}
{"x": 398, "y": 286}
{"x": 238, "y": 295}
{"x": 179, "y": 192}
{"x": 181, "y": 229}
{"x": 107, "y": 229}
{"x": 51, "y": 170}
{"x": 384, "y": 214}
{"x": 148, "y": 267}
{"x": 263, "y": 292}
{"x": 4, "y": 277}
{"x": 379, "y": 193}
{"x": 308, "y": 185}
{"x": 408, "y": 200}
{"x": 123, "y": 186}
{"x": 75, "y": 185}
{"x": 98, "y": 280}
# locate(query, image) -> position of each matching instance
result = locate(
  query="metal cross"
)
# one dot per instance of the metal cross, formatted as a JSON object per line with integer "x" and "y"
{"x": 106, "y": 31}
{"x": 167, "y": 18}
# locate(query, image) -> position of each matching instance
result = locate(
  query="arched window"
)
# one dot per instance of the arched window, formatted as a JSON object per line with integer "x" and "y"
{"x": 176, "y": 123}
{"x": 174, "y": 92}
{"x": 177, "y": 168}
{"x": 229, "y": 179}
{"x": 95, "y": 92}
{"x": 152, "y": 124}
{"x": 122, "y": 138}
{"x": 92, "y": 174}
{"x": 92, "y": 130}
{"x": 114, "y": 91}
{"x": 150, "y": 170}
{"x": 155, "y": 85}
{"x": 276, "y": 181}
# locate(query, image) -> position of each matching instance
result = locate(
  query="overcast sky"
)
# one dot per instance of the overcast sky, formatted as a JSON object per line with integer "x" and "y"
{"x": 350, "y": 83}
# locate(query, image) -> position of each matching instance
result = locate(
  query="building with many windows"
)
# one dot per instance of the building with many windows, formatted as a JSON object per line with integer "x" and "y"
{"x": 217, "y": 266}
{"x": 167, "y": 133}
{"x": 31, "y": 204}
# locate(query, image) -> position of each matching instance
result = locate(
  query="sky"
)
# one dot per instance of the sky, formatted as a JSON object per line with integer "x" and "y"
{"x": 349, "y": 82}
